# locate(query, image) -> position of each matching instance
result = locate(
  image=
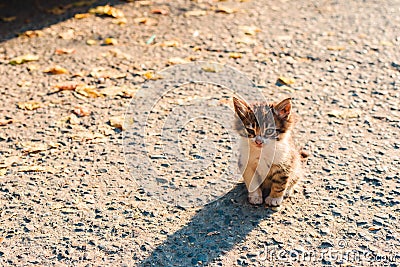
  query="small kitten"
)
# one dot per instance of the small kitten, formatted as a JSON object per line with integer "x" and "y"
{"x": 268, "y": 159}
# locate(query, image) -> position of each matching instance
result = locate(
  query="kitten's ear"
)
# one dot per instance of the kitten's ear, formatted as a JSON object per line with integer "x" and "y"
{"x": 283, "y": 109}
{"x": 241, "y": 108}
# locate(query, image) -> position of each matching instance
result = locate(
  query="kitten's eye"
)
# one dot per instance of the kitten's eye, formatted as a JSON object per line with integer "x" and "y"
{"x": 250, "y": 132}
{"x": 270, "y": 131}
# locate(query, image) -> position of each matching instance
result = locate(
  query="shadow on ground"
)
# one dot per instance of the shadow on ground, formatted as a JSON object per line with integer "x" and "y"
{"x": 213, "y": 231}
{"x": 19, "y": 16}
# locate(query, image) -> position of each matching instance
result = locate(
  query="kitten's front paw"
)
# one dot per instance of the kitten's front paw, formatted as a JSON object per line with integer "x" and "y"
{"x": 273, "y": 201}
{"x": 255, "y": 197}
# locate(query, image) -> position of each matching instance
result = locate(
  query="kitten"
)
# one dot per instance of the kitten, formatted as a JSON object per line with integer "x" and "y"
{"x": 268, "y": 157}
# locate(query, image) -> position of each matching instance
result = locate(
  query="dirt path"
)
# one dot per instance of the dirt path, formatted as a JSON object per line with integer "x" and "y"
{"x": 68, "y": 198}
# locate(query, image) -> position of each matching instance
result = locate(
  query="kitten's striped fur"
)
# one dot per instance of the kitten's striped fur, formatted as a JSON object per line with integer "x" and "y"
{"x": 268, "y": 159}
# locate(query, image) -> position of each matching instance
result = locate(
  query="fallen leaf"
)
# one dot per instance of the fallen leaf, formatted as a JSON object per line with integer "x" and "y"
{"x": 4, "y": 122}
{"x": 120, "y": 21}
{"x": 23, "y": 59}
{"x": 336, "y": 48}
{"x": 374, "y": 228}
{"x": 107, "y": 74}
{"x": 249, "y": 30}
{"x": 37, "y": 169}
{"x": 67, "y": 86}
{"x": 107, "y": 10}
{"x": 211, "y": 68}
{"x": 82, "y": 15}
{"x": 150, "y": 75}
{"x": 32, "y": 34}
{"x": 63, "y": 51}
{"x": 91, "y": 42}
{"x": 81, "y": 111}
{"x": 56, "y": 70}
{"x": 177, "y": 60}
{"x": 245, "y": 40}
{"x": 87, "y": 91}
{"x": 34, "y": 147}
{"x": 344, "y": 114}
{"x": 3, "y": 172}
{"x": 73, "y": 119}
{"x": 8, "y": 162}
{"x": 1, "y": 239}
{"x": 30, "y": 105}
{"x": 146, "y": 21}
{"x": 110, "y": 41}
{"x": 117, "y": 122}
{"x": 235, "y": 55}
{"x": 8, "y": 19}
{"x": 67, "y": 35}
{"x": 285, "y": 81}
{"x": 170, "y": 43}
{"x": 119, "y": 91}
{"x": 195, "y": 13}
{"x": 386, "y": 43}
{"x": 225, "y": 9}
{"x": 160, "y": 11}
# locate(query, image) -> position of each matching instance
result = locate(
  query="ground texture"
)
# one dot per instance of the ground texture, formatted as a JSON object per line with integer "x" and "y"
{"x": 68, "y": 198}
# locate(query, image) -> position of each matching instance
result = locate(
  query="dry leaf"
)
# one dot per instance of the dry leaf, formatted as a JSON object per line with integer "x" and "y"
{"x": 146, "y": 20}
{"x": 374, "y": 228}
{"x": 249, "y": 30}
{"x": 344, "y": 114}
{"x": 8, "y": 19}
{"x": 117, "y": 122}
{"x": 110, "y": 41}
{"x": 91, "y": 42}
{"x": 3, "y": 172}
{"x": 36, "y": 169}
{"x": 82, "y": 15}
{"x": 235, "y": 55}
{"x": 150, "y": 75}
{"x": 285, "y": 81}
{"x": 195, "y": 13}
{"x": 87, "y": 91}
{"x": 177, "y": 60}
{"x": 245, "y": 40}
{"x": 170, "y": 43}
{"x": 67, "y": 86}
{"x": 56, "y": 70}
{"x": 23, "y": 59}
{"x": 225, "y": 9}
{"x": 4, "y": 122}
{"x": 118, "y": 91}
{"x": 107, "y": 74}
{"x": 32, "y": 34}
{"x": 211, "y": 68}
{"x": 160, "y": 11}
{"x": 1, "y": 239}
{"x": 30, "y": 105}
{"x": 34, "y": 147}
{"x": 63, "y": 51}
{"x": 336, "y": 48}
{"x": 107, "y": 10}
{"x": 81, "y": 111}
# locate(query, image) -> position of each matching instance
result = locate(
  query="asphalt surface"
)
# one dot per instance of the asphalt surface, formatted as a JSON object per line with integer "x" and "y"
{"x": 71, "y": 196}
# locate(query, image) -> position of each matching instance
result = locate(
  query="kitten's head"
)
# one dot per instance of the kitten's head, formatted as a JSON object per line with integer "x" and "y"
{"x": 263, "y": 122}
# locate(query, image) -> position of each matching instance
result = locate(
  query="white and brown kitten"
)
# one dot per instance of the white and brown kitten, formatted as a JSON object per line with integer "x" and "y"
{"x": 269, "y": 160}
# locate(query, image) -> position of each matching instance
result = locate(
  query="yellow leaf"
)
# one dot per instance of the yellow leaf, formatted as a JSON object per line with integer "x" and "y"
{"x": 117, "y": 122}
{"x": 177, "y": 60}
{"x": 107, "y": 10}
{"x": 56, "y": 70}
{"x": 30, "y": 105}
{"x": 336, "y": 48}
{"x": 170, "y": 43}
{"x": 3, "y": 171}
{"x": 36, "y": 169}
{"x": 344, "y": 114}
{"x": 149, "y": 75}
{"x": 87, "y": 91}
{"x": 110, "y": 41}
{"x": 249, "y": 30}
{"x": 82, "y": 15}
{"x": 225, "y": 9}
{"x": 146, "y": 20}
{"x": 8, "y": 19}
{"x": 286, "y": 81}
{"x": 235, "y": 55}
{"x": 91, "y": 42}
{"x": 32, "y": 34}
{"x": 23, "y": 59}
{"x": 211, "y": 68}
{"x": 195, "y": 13}
{"x": 62, "y": 51}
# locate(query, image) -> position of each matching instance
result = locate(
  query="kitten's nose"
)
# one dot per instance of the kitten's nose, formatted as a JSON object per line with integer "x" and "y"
{"x": 258, "y": 140}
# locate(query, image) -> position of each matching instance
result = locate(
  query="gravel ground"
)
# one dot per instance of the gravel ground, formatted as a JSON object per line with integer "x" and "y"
{"x": 68, "y": 197}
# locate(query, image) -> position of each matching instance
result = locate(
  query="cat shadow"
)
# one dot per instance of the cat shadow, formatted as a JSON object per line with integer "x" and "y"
{"x": 213, "y": 231}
